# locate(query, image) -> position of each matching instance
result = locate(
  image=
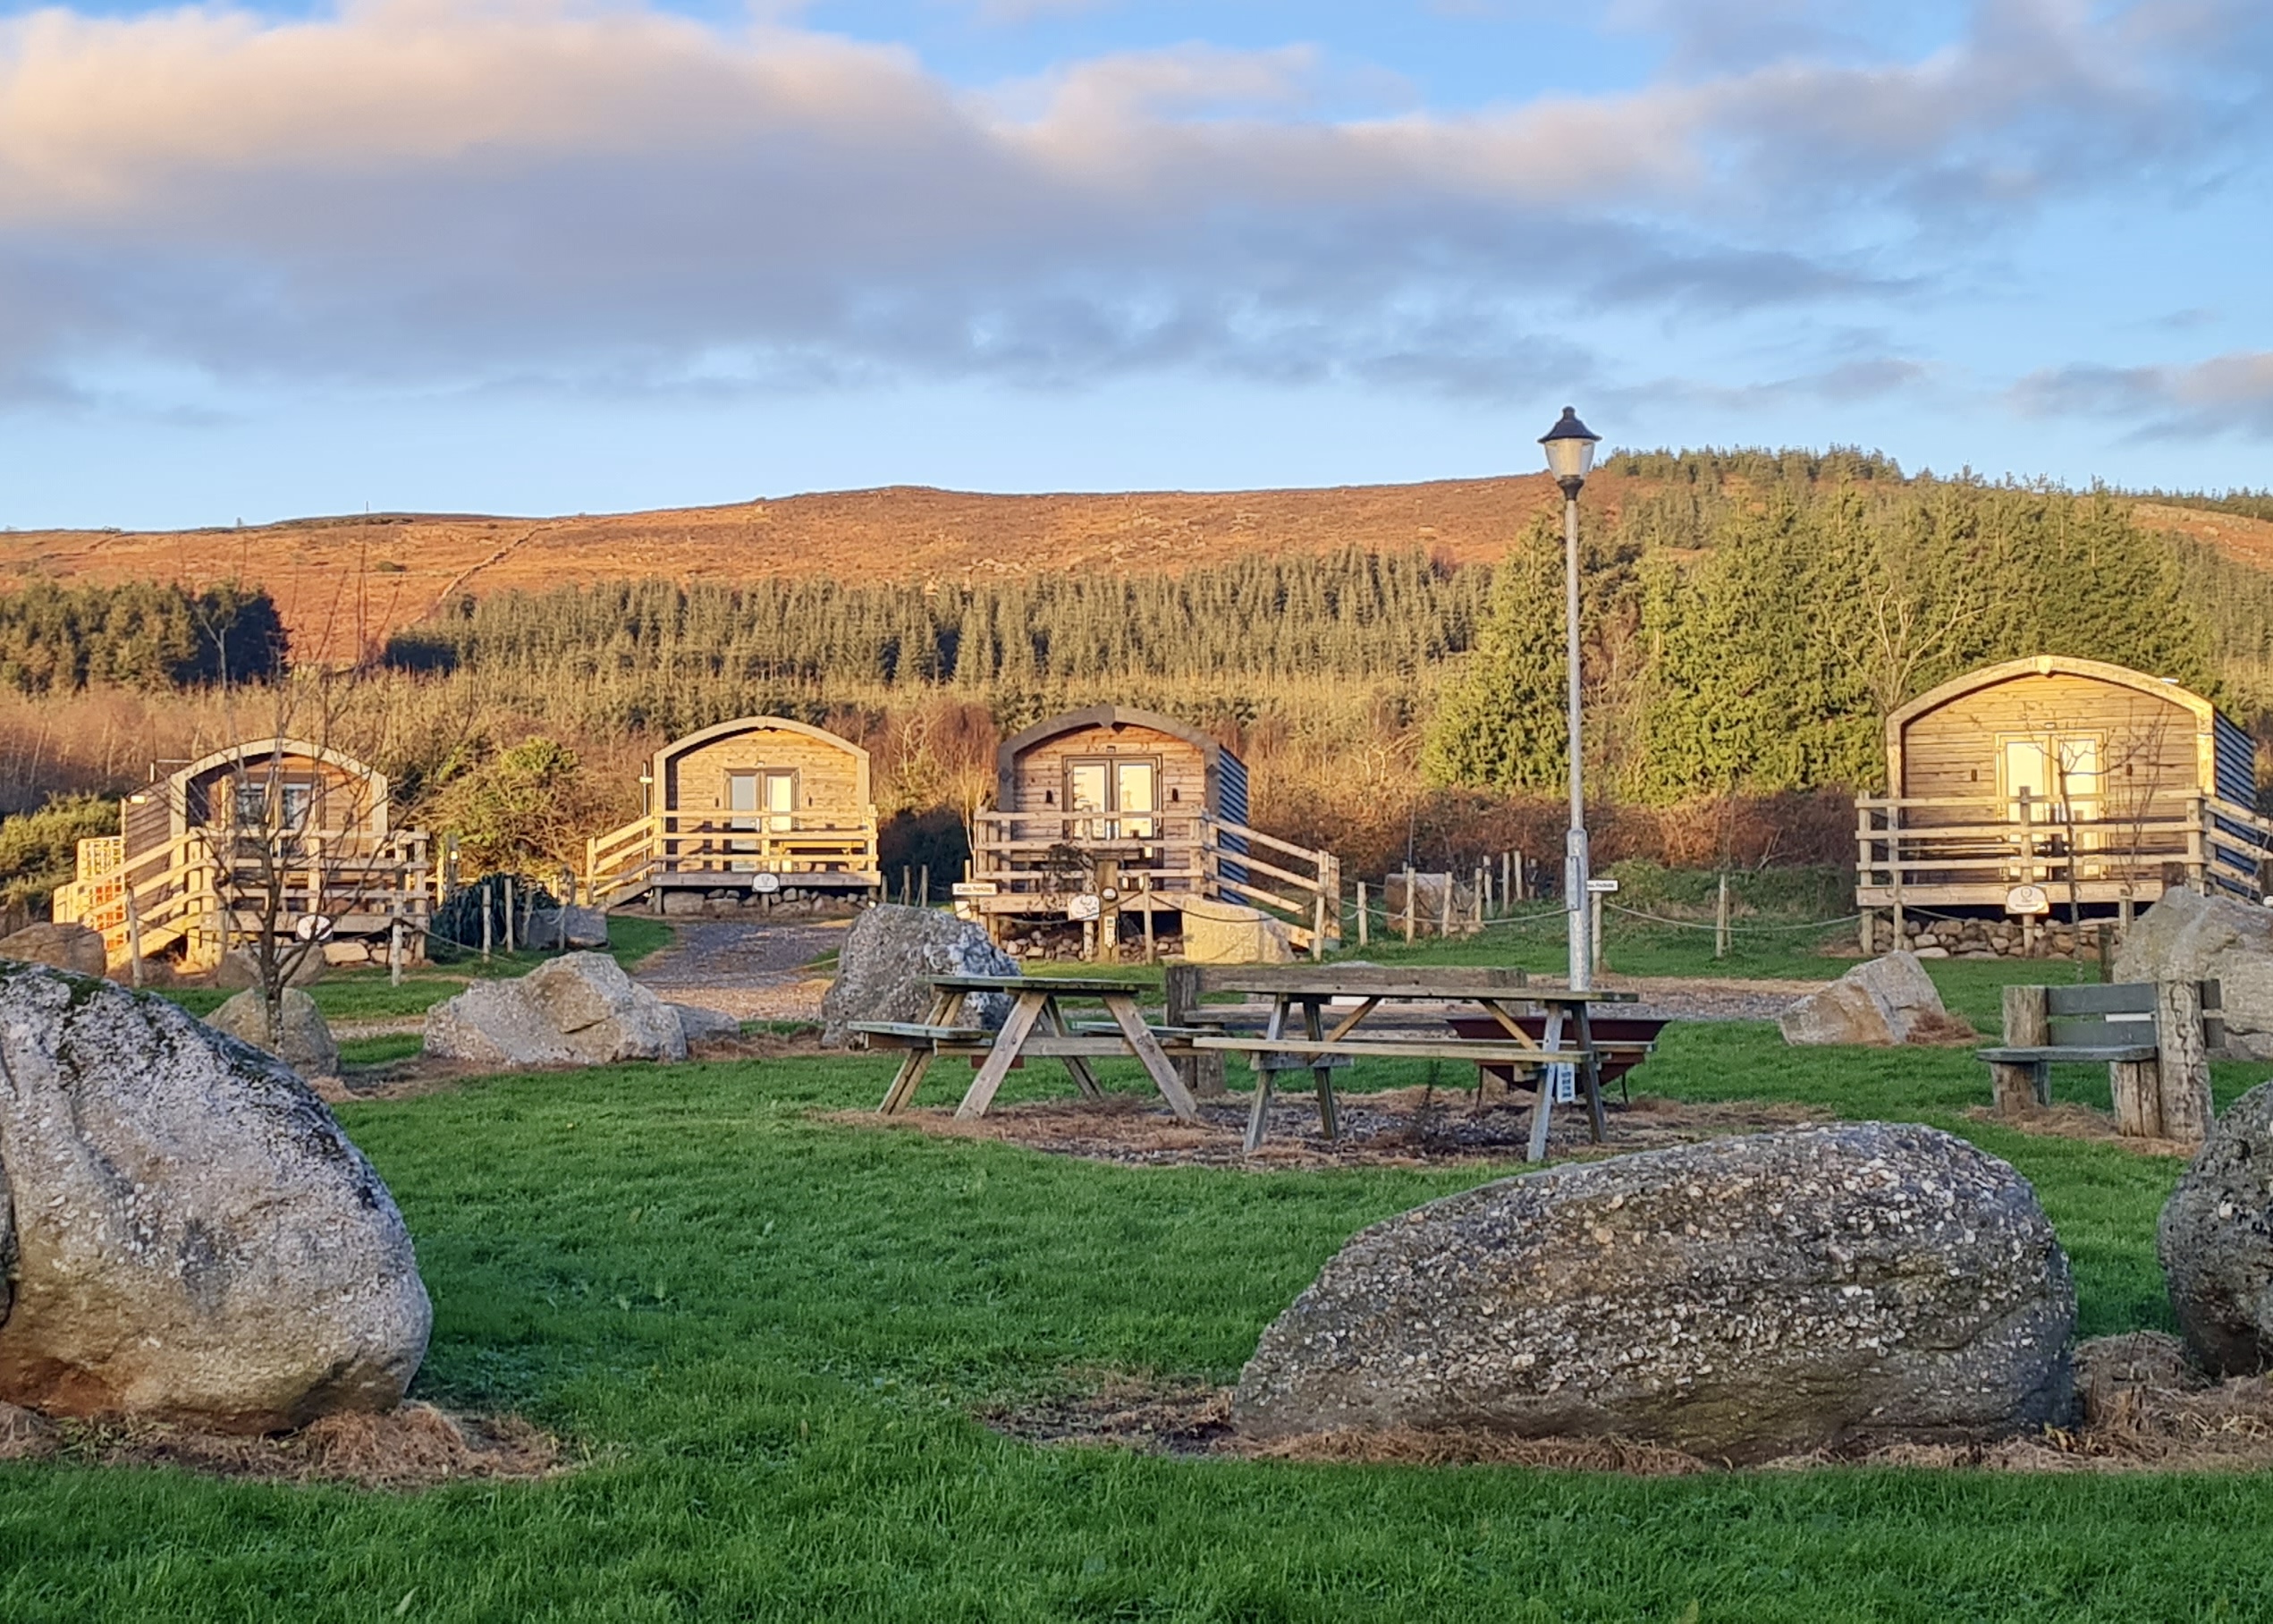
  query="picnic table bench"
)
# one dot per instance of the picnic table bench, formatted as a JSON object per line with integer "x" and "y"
{"x": 1350, "y": 996}
{"x": 1036, "y": 1025}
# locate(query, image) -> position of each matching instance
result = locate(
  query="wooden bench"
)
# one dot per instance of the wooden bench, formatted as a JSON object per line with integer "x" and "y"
{"x": 2154, "y": 1038}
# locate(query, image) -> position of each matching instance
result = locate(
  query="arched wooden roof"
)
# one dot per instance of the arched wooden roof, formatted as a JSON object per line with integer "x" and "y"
{"x": 2044, "y": 665}
{"x": 1102, "y": 716}
{"x": 253, "y": 752}
{"x": 750, "y": 724}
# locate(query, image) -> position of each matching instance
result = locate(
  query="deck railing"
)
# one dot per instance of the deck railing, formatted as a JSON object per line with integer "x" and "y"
{"x": 208, "y": 888}
{"x": 1038, "y": 861}
{"x": 1949, "y": 852}
{"x": 624, "y": 862}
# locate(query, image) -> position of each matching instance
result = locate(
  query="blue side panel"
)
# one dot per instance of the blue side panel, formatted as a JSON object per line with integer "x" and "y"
{"x": 1231, "y": 806}
{"x": 2236, "y": 763}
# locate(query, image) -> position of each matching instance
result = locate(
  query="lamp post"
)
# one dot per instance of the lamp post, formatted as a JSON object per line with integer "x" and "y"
{"x": 1570, "y": 457}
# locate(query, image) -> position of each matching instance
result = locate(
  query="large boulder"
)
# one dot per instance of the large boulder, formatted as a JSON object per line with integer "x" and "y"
{"x": 2215, "y": 1238}
{"x": 194, "y": 1237}
{"x": 1880, "y": 1002}
{"x": 240, "y": 968}
{"x": 579, "y": 1009}
{"x": 63, "y": 947}
{"x": 305, "y": 1044}
{"x": 2186, "y": 937}
{"x": 1743, "y": 1299}
{"x": 887, "y": 954}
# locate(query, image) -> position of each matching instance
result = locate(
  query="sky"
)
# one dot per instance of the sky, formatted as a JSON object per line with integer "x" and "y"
{"x": 558, "y": 256}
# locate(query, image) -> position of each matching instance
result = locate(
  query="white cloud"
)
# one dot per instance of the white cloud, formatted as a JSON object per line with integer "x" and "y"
{"x": 2230, "y": 394}
{"x": 421, "y": 193}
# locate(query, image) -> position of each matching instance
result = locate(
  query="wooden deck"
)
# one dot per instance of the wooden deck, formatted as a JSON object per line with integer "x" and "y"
{"x": 706, "y": 851}
{"x": 1037, "y": 863}
{"x": 205, "y": 889}
{"x": 1946, "y": 852}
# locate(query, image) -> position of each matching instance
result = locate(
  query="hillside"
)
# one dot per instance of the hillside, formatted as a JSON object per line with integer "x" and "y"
{"x": 339, "y": 581}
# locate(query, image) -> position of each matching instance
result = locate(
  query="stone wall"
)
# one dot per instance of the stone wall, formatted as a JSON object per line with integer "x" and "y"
{"x": 1930, "y": 938}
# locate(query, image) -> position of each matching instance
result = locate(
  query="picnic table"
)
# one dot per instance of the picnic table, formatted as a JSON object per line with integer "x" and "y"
{"x": 1037, "y": 1027}
{"x": 1353, "y": 996}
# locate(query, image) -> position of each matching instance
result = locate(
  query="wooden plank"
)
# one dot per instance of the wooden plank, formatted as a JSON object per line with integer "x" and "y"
{"x": 920, "y": 1031}
{"x": 1076, "y": 1062}
{"x": 1156, "y": 1064}
{"x": 1362, "y": 1048}
{"x": 1259, "y": 1112}
{"x": 1322, "y": 1076}
{"x": 1066, "y": 986}
{"x": 1024, "y": 1016}
{"x": 2119, "y": 998}
{"x": 1355, "y": 979}
{"x": 2078, "y": 1054}
{"x": 911, "y": 1070}
{"x": 1542, "y": 1106}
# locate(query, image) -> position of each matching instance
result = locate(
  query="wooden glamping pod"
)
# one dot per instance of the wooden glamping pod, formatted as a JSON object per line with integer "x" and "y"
{"x": 2051, "y": 784}
{"x": 1124, "y": 816}
{"x": 760, "y": 805}
{"x": 198, "y": 854}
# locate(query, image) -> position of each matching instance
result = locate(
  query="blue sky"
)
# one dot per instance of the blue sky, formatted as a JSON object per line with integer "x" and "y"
{"x": 548, "y": 256}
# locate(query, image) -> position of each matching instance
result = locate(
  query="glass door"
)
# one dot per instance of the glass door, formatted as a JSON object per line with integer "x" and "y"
{"x": 780, "y": 801}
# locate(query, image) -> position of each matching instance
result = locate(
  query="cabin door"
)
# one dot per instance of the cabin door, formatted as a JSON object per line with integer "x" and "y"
{"x": 2052, "y": 787}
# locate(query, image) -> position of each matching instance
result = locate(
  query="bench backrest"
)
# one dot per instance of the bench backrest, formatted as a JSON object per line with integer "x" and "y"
{"x": 2085, "y": 1016}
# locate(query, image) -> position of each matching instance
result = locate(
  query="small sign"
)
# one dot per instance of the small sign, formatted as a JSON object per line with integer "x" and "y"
{"x": 2027, "y": 899}
{"x": 312, "y": 927}
{"x": 765, "y": 884}
{"x": 1085, "y": 908}
{"x": 1603, "y": 887}
{"x": 974, "y": 888}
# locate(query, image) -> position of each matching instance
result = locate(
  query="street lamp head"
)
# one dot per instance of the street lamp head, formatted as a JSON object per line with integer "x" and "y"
{"x": 1570, "y": 449}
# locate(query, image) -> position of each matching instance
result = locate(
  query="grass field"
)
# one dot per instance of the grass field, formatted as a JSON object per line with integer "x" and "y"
{"x": 769, "y": 1332}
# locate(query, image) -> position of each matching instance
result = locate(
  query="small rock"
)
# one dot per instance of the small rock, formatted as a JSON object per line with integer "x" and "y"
{"x": 240, "y": 968}
{"x": 702, "y": 1026}
{"x": 1883, "y": 1002}
{"x": 63, "y": 947}
{"x": 305, "y": 1044}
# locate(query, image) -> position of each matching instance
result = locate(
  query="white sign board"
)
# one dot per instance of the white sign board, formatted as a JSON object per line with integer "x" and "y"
{"x": 312, "y": 927}
{"x": 2027, "y": 899}
{"x": 974, "y": 888}
{"x": 1085, "y": 908}
{"x": 1603, "y": 887}
{"x": 765, "y": 884}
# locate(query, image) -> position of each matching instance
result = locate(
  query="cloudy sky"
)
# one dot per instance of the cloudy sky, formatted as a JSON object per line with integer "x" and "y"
{"x": 554, "y": 255}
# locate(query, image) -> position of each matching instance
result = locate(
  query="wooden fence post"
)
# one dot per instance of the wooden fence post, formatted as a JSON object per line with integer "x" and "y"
{"x": 2019, "y": 1089}
{"x": 394, "y": 951}
{"x": 1594, "y": 906}
{"x": 1364, "y": 938}
{"x": 2183, "y": 1061}
{"x": 1444, "y": 913}
{"x": 1203, "y": 1073}
{"x": 1721, "y": 919}
{"x": 508, "y": 913}
{"x": 1412, "y": 905}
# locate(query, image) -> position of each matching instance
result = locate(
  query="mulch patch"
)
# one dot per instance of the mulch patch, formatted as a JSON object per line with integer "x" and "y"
{"x": 1398, "y": 1127}
{"x": 2143, "y": 1408}
{"x": 414, "y": 1446}
{"x": 2071, "y": 1120}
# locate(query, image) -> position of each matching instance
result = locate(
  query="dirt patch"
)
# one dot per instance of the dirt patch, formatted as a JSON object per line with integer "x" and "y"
{"x": 415, "y": 1446}
{"x": 1400, "y": 1127}
{"x": 2141, "y": 1407}
{"x": 2070, "y": 1120}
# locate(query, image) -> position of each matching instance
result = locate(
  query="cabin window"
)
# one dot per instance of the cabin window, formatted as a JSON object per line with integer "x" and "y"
{"x": 251, "y": 805}
{"x": 764, "y": 800}
{"x": 1114, "y": 784}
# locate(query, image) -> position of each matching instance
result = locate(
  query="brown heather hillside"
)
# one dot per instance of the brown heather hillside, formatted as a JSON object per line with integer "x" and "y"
{"x": 331, "y": 577}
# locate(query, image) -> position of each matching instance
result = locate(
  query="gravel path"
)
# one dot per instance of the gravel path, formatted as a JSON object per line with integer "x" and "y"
{"x": 750, "y": 971}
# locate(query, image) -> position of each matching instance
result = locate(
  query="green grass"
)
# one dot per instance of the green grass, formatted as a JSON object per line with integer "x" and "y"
{"x": 771, "y": 1331}
{"x": 367, "y": 995}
